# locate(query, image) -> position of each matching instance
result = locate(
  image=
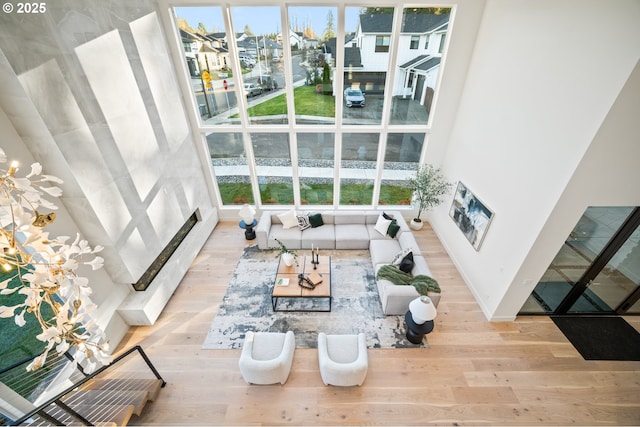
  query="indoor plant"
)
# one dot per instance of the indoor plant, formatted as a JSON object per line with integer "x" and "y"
{"x": 429, "y": 186}
{"x": 288, "y": 256}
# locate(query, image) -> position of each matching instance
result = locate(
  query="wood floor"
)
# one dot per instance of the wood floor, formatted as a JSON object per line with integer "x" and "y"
{"x": 475, "y": 373}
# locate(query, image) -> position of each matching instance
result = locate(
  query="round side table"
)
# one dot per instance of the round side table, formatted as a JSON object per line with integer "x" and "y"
{"x": 249, "y": 232}
{"x": 415, "y": 331}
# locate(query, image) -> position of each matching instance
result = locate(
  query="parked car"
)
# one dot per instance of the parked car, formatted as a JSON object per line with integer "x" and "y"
{"x": 252, "y": 89}
{"x": 266, "y": 82}
{"x": 354, "y": 97}
{"x": 248, "y": 59}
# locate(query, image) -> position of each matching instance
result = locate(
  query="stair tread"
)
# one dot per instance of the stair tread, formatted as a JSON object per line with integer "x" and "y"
{"x": 138, "y": 398}
{"x": 152, "y": 385}
{"x": 116, "y": 415}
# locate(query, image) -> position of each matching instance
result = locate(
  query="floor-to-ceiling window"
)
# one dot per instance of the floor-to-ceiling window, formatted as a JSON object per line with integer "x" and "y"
{"x": 326, "y": 105}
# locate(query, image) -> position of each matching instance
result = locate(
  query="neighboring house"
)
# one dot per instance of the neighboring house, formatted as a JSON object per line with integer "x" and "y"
{"x": 191, "y": 46}
{"x": 296, "y": 38}
{"x": 260, "y": 47}
{"x": 204, "y": 52}
{"x": 420, "y": 48}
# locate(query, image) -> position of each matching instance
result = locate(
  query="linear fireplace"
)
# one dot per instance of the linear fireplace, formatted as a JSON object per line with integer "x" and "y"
{"x": 157, "y": 264}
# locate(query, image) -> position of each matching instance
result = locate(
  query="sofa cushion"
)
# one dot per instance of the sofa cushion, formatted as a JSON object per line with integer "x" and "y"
{"x": 350, "y": 217}
{"x": 408, "y": 242}
{"x": 316, "y": 220}
{"x": 351, "y": 236}
{"x": 406, "y": 264}
{"x": 393, "y": 229}
{"x": 382, "y": 225}
{"x": 420, "y": 266}
{"x": 383, "y": 251}
{"x": 323, "y": 237}
{"x": 289, "y": 219}
{"x": 303, "y": 222}
{"x": 290, "y": 237}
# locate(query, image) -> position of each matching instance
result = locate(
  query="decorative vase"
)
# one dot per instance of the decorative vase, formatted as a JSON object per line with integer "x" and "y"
{"x": 287, "y": 258}
{"x": 416, "y": 224}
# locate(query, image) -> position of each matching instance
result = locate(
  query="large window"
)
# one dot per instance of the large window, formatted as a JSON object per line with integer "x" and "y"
{"x": 322, "y": 105}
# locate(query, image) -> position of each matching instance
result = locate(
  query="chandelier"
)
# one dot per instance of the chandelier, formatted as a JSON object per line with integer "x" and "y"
{"x": 45, "y": 270}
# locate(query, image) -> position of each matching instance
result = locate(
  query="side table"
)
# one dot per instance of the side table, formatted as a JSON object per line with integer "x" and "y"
{"x": 249, "y": 232}
{"x": 416, "y": 331}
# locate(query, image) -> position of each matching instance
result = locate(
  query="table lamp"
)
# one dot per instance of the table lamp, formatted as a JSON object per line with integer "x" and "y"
{"x": 248, "y": 215}
{"x": 419, "y": 318}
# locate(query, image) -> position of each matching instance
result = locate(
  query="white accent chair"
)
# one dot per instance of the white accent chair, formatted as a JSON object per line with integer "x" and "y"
{"x": 343, "y": 359}
{"x": 266, "y": 357}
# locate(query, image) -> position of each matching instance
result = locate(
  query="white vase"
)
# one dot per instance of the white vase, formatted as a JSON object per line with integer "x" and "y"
{"x": 416, "y": 225}
{"x": 287, "y": 258}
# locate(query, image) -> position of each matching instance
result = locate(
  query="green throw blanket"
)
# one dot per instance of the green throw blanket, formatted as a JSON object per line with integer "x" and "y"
{"x": 421, "y": 282}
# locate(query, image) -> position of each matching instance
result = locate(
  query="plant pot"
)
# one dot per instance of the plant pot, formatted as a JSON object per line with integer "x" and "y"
{"x": 416, "y": 224}
{"x": 288, "y": 259}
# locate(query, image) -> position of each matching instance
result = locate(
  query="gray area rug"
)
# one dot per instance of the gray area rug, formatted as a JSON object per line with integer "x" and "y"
{"x": 355, "y": 305}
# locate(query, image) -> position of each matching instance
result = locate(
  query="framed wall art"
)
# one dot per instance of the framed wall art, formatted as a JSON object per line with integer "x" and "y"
{"x": 470, "y": 215}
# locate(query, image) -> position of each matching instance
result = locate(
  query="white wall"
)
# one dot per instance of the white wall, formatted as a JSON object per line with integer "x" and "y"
{"x": 92, "y": 93}
{"x": 542, "y": 79}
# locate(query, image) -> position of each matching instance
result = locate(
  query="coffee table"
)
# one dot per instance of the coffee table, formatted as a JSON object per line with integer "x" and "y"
{"x": 294, "y": 291}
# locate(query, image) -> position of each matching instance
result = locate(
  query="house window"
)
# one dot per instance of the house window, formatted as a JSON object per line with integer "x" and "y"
{"x": 415, "y": 42}
{"x": 382, "y": 43}
{"x": 426, "y": 43}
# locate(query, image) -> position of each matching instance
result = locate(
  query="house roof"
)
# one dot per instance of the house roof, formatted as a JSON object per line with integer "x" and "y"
{"x": 421, "y": 62}
{"x": 419, "y": 23}
{"x": 413, "y": 61}
{"x": 352, "y": 57}
{"x": 428, "y": 64}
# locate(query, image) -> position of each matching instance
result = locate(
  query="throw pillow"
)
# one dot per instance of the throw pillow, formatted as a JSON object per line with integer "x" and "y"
{"x": 398, "y": 257}
{"x": 382, "y": 225}
{"x": 289, "y": 219}
{"x": 316, "y": 220}
{"x": 386, "y": 215}
{"x": 407, "y": 263}
{"x": 393, "y": 228}
{"x": 303, "y": 222}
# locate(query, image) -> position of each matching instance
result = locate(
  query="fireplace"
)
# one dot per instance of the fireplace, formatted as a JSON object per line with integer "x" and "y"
{"x": 147, "y": 277}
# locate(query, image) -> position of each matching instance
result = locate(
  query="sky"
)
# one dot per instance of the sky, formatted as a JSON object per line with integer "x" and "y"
{"x": 266, "y": 19}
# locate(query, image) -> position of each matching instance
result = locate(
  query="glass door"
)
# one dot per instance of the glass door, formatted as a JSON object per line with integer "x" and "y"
{"x": 597, "y": 270}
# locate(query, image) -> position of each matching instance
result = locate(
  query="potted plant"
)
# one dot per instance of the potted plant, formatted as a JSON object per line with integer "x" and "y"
{"x": 288, "y": 256}
{"x": 429, "y": 186}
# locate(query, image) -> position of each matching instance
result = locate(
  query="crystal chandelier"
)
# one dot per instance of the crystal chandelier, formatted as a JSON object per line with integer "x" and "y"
{"x": 45, "y": 270}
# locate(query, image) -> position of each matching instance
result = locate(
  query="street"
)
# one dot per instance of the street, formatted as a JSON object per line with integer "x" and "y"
{"x": 219, "y": 100}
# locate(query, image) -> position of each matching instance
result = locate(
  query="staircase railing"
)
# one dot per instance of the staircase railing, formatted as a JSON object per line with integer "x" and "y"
{"x": 35, "y": 392}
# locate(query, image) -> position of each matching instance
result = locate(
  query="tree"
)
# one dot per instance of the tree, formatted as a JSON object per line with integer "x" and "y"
{"x": 329, "y": 32}
{"x": 183, "y": 25}
{"x": 248, "y": 31}
{"x": 201, "y": 28}
{"x": 429, "y": 187}
{"x": 412, "y": 11}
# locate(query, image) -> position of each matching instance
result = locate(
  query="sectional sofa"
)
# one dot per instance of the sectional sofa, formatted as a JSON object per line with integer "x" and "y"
{"x": 358, "y": 229}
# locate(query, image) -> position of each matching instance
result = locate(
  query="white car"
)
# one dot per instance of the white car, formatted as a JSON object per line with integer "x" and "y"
{"x": 252, "y": 89}
{"x": 354, "y": 97}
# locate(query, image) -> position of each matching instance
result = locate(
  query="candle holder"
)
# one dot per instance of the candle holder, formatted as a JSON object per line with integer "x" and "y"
{"x": 314, "y": 261}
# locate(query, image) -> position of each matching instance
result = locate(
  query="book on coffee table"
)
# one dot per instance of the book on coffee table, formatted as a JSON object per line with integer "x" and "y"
{"x": 315, "y": 278}
{"x": 282, "y": 282}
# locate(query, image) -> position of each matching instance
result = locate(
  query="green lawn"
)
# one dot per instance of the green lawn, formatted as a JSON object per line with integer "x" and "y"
{"x": 314, "y": 194}
{"x": 18, "y": 343}
{"x": 307, "y": 102}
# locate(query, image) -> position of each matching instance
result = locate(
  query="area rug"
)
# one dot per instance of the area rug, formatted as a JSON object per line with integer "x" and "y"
{"x": 600, "y": 337}
{"x": 355, "y": 305}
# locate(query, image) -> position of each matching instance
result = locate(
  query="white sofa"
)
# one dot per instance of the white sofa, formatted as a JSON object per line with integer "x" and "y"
{"x": 353, "y": 230}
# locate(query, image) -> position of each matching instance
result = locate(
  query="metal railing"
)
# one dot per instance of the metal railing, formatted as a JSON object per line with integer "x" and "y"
{"x": 48, "y": 391}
